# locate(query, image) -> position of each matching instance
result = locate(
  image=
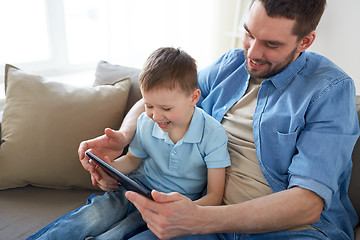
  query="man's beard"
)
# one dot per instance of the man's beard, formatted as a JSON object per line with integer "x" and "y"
{"x": 273, "y": 70}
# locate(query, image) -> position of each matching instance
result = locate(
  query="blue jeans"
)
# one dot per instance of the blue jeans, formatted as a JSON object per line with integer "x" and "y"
{"x": 110, "y": 216}
{"x": 282, "y": 235}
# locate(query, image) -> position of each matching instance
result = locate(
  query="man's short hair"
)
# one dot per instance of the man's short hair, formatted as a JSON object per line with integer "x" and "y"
{"x": 306, "y": 13}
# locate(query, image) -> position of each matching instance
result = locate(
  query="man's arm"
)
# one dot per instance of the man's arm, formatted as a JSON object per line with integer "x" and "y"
{"x": 279, "y": 211}
{"x": 128, "y": 126}
{"x": 172, "y": 215}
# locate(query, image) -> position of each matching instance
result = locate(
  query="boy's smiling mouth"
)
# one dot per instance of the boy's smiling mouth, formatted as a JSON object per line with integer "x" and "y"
{"x": 163, "y": 124}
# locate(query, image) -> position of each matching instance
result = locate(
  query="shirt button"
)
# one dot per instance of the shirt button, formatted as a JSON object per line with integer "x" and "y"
{"x": 224, "y": 107}
{"x": 173, "y": 153}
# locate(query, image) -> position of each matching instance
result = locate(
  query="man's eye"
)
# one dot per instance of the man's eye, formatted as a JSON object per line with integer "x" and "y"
{"x": 166, "y": 109}
{"x": 249, "y": 35}
{"x": 272, "y": 46}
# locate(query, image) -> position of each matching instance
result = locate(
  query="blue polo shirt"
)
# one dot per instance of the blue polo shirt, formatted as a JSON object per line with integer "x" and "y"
{"x": 180, "y": 167}
{"x": 305, "y": 127}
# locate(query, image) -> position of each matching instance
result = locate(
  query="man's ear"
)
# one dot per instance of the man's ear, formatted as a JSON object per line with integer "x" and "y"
{"x": 306, "y": 41}
{"x": 195, "y": 96}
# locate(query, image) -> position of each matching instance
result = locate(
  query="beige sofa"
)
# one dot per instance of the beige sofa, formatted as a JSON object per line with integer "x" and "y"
{"x": 40, "y": 177}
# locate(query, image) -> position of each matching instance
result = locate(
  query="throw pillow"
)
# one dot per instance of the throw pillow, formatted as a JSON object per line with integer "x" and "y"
{"x": 107, "y": 73}
{"x": 43, "y": 124}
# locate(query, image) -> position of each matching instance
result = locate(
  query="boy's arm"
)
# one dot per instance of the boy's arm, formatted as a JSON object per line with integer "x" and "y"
{"x": 215, "y": 188}
{"x": 127, "y": 163}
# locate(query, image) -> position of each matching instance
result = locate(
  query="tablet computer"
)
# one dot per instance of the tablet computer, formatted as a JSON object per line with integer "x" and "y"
{"x": 122, "y": 179}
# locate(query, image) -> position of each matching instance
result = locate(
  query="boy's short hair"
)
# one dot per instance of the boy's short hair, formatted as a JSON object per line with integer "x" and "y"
{"x": 169, "y": 68}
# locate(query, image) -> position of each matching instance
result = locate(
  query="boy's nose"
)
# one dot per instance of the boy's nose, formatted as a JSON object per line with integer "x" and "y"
{"x": 156, "y": 116}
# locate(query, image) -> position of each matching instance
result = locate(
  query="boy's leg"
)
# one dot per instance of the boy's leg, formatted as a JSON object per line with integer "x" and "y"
{"x": 126, "y": 228}
{"x": 92, "y": 219}
{"x": 148, "y": 235}
{"x": 282, "y": 235}
{"x": 308, "y": 234}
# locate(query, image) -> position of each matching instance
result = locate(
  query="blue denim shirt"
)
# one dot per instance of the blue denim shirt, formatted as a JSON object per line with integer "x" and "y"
{"x": 305, "y": 127}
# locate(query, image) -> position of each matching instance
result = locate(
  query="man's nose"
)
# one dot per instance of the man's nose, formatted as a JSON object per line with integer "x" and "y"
{"x": 255, "y": 50}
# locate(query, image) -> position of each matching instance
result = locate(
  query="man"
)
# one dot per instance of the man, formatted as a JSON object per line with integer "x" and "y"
{"x": 291, "y": 121}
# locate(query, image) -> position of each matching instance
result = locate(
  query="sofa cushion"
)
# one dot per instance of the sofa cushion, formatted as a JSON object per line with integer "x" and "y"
{"x": 107, "y": 73}
{"x": 43, "y": 124}
{"x": 26, "y": 210}
{"x": 354, "y": 187}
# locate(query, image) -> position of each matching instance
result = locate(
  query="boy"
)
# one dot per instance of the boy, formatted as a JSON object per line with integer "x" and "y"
{"x": 177, "y": 148}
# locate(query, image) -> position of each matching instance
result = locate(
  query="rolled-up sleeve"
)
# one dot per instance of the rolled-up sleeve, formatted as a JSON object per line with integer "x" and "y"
{"x": 324, "y": 147}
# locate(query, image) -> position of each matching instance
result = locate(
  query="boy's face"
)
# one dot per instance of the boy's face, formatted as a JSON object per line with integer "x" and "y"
{"x": 172, "y": 110}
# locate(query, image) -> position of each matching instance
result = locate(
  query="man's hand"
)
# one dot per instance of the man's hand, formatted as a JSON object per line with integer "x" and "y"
{"x": 169, "y": 215}
{"x": 173, "y": 215}
{"x": 108, "y": 147}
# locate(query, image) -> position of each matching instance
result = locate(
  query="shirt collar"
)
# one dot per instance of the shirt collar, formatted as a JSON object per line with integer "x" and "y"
{"x": 192, "y": 135}
{"x": 282, "y": 79}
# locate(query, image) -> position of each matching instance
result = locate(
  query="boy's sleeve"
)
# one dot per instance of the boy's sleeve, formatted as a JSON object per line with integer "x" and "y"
{"x": 216, "y": 152}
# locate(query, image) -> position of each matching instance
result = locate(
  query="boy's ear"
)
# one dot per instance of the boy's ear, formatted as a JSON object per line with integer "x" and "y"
{"x": 195, "y": 96}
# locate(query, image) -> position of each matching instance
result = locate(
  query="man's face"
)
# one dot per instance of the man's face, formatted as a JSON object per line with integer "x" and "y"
{"x": 269, "y": 44}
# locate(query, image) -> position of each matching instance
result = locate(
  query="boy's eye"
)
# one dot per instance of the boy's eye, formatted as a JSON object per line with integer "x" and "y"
{"x": 166, "y": 109}
{"x": 148, "y": 106}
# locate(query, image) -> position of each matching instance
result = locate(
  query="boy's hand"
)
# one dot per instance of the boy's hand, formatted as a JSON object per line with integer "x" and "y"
{"x": 105, "y": 182}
